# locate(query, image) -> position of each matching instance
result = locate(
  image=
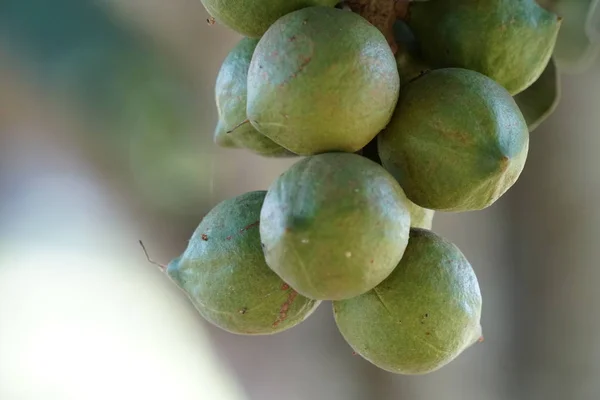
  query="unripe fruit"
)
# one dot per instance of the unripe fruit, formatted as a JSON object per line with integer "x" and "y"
{"x": 334, "y": 225}
{"x": 322, "y": 79}
{"x": 230, "y": 94}
{"x": 253, "y": 17}
{"x": 510, "y": 41}
{"x": 224, "y": 273}
{"x": 422, "y": 316}
{"x": 457, "y": 141}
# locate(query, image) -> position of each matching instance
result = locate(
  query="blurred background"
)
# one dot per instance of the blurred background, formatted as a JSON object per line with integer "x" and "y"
{"x": 106, "y": 119}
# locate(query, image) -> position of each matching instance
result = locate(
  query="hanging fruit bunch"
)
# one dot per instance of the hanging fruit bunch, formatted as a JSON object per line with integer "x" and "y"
{"x": 398, "y": 109}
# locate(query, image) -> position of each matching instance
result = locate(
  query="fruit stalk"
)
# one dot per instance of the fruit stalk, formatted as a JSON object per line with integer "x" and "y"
{"x": 382, "y": 14}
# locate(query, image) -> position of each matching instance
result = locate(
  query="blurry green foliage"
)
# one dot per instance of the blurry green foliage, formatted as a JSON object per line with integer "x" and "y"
{"x": 142, "y": 112}
{"x": 592, "y": 26}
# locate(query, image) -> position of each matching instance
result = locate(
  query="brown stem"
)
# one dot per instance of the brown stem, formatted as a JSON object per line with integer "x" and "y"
{"x": 162, "y": 267}
{"x": 244, "y": 122}
{"x": 382, "y": 14}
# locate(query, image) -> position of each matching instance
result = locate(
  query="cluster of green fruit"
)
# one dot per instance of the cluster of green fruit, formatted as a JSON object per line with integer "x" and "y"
{"x": 351, "y": 221}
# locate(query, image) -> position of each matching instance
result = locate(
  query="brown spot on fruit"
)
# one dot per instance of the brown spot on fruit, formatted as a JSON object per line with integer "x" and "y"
{"x": 252, "y": 225}
{"x": 243, "y": 311}
{"x": 204, "y": 237}
{"x": 504, "y": 163}
{"x": 285, "y": 286}
{"x": 285, "y": 307}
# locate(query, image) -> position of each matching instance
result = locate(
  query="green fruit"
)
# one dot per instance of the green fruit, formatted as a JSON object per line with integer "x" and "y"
{"x": 334, "y": 225}
{"x": 230, "y": 93}
{"x": 223, "y": 272}
{"x": 222, "y": 138}
{"x": 456, "y": 142}
{"x": 322, "y": 79}
{"x": 253, "y": 17}
{"x": 419, "y": 217}
{"x": 539, "y": 100}
{"x": 510, "y": 41}
{"x": 422, "y": 316}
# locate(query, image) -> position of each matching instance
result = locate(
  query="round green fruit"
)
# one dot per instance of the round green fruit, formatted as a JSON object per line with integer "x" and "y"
{"x": 224, "y": 273}
{"x": 322, "y": 79}
{"x": 253, "y": 17}
{"x": 510, "y": 41}
{"x": 457, "y": 141}
{"x": 334, "y": 225}
{"x": 230, "y": 93}
{"x": 422, "y": 316}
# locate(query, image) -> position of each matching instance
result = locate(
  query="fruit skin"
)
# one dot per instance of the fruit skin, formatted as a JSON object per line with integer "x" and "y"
{"x": 252, "y": 18}
{"x": 408, "y": 57}
{"x": 539, "y": 100}
{"x": 321, "y": 80}
{"x": 334, "y": 225}
{"x": 419, "y": 217}
{"x": 510, "y": 41}
{"x": 222, "y": 138}
{"x": 230, "y": 95}
{"x": 457, "y": 141}
{"x": 224, "y": 273}
{"x": 422, "y": 316}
